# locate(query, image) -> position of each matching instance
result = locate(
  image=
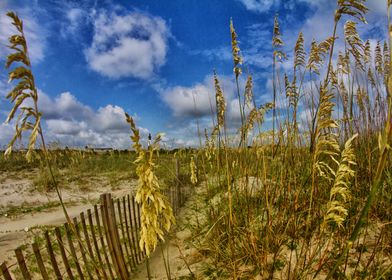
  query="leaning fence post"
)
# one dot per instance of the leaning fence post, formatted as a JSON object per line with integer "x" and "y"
{"x": 108, "y": 217}
{"x": 53, "y": 261}
{"x": 101, "y": 233}
{"x": 109, "y": 240}
{"x": 40, "y": 262}
{"x": 72, "y": 250}
{"x": 63, "y": 253}
{"x": 22, "y": 264}
{"x": 5, "y": 271}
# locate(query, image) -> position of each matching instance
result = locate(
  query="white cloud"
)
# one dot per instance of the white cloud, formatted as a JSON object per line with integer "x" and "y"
{"x": 64, "y": 127}
{"x": 185, "y": 133}
{"x": 7, "y": 131}
{"x": 64, "y": 106}
{"x": 110, "y": 118}
{"x": 72, "y": 123}
{"x": 188, "y": 120}
{"x": 74, "y": 17}
{"x": 259, "y": 6}
{"x": 189, "y": 101}
{"x": 35, "y": 34}
{"x": 198, "y": 100}
{"x": 130, "y": 45}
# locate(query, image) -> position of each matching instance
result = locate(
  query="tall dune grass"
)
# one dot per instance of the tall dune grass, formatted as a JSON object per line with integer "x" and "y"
{"x": 303, "y": 201}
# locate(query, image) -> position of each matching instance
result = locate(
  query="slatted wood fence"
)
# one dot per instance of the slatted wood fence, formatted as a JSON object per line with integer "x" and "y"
{"x": 103, "y": 244}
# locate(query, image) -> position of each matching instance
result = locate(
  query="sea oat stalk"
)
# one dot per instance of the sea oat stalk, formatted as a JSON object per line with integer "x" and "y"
{"x": 156, "y": 211}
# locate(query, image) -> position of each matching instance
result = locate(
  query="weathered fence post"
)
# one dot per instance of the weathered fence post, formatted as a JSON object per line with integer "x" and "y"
{"x": 127, "y": 229}
{"x": 40, "y": 262}
{"x": 52, "y": 256}
{"x": 112, "y": 235}
{"x": 5, "y": 271}
{"x": 63, "y": 253}
{"x": 72, "y": 250}
{"x": 22, "y": 264}
{"x": 134, "y": 228}
{"x": 95, "y": 242}
{"x": 101, "y": 238}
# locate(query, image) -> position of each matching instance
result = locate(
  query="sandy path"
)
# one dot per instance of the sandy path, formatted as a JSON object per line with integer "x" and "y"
{"x": 182, "y": 258}
{"x": 18, "y": 230}
{"x": 13, "y": 234}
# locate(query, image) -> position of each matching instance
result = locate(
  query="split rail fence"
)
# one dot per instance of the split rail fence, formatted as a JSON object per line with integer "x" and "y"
{"x": 103, "y": 245}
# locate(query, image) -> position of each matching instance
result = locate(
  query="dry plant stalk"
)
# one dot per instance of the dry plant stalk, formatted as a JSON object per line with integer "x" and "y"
{"x": 249, "y": 102}
{"x": 256, "y": 115}
{"x": 277, "y": 41}
{"x": 29, "y": 118}
{"x": 356, "y": 46}
{"x": 299, "y": 51}
{"x": 237, "y": 59}
{"x": 193, "y": 170}
{"x": 340, "y": 192}
{"x": 220, "y": 104}
{"x": 326, "y": 144}
{"x": 279, "y": 55}
{"x": 156, "y": 211}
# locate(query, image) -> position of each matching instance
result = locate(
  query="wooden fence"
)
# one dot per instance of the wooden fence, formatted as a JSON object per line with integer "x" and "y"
{"x": 103, "y": 244}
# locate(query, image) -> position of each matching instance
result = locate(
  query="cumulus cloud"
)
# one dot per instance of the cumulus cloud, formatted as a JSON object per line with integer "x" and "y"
{"x": 72, "y": 123}
{"x": 77, "y": 124}
{"x": 189, "y": 101}
{"x": 65, "y": 127}
{"x": 199, "y": 100}
{"x": 128, "y": 45}
{"x": 35, "y": 33}
{"x": 110, "y": 118}
{"x": 64, "y": 106}
{"x": 194, "y": 109}
{"x": 259, "y": 6}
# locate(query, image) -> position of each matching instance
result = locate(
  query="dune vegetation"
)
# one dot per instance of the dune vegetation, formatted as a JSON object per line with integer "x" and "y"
{"x": 310, "y": 198}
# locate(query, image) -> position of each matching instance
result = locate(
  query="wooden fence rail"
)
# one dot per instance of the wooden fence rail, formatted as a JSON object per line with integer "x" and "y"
{"x": 105, "y": 244}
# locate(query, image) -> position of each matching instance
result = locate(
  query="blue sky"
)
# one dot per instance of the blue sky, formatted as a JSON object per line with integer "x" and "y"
{"x": 93, "y": 60}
